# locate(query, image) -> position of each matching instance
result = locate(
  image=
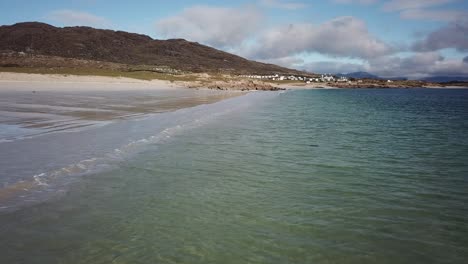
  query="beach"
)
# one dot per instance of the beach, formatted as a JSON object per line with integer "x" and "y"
{"x": 46, "y": 115}
{"x": 36, "y": 103}
{"x": 224, "y": 132}
{"x": 58, "y": 82}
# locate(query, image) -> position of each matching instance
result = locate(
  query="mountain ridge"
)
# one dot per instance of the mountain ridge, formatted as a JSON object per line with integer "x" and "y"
{"x": 446, "y": 79}
{"x": 359, "y": 75}
{"x": 106, "y": 45}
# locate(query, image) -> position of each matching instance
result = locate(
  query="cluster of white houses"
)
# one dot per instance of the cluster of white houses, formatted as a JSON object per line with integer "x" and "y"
{"x": 277, "y": 77}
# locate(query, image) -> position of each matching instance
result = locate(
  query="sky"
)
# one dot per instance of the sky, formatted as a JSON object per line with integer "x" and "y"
{"x": 390, "y": 38}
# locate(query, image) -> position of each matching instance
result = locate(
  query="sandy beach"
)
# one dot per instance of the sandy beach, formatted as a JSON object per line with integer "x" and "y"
{"x": 34, "y": 104}
{"x": 51, "y": 82}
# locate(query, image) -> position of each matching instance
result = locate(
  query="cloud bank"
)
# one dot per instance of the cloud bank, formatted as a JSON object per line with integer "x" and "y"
{"x": 331, "y": 38}
{"x": 419, "y": 65}
{"x": 454, "y": 35}
{"x": 334, "y": 67}
{"x": 240, "y": 31}
{"x": 216, "y": 26}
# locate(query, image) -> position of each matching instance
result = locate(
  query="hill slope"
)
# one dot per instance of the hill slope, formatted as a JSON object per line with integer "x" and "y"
{"x": 446, "y": 79}
{"x": 359, "y": 75}
{"x": 126, "y": 48}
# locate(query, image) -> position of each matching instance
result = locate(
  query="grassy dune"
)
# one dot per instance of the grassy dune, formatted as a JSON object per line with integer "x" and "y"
{"x": 140, "y": 74}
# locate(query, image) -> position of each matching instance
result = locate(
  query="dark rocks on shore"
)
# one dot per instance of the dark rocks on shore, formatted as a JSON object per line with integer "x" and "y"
{"x": 243, "y": 85}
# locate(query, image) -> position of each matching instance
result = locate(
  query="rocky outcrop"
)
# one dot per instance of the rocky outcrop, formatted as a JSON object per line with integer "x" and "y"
{"x": 241, "y": 85}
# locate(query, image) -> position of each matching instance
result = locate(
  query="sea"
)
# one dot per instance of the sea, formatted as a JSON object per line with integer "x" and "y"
{"x": 297, "y": 176}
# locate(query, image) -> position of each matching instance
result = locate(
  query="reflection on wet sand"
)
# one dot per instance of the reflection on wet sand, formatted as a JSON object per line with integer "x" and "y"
{"x": 24, "y": 114}
{"x": 27, "y": 113}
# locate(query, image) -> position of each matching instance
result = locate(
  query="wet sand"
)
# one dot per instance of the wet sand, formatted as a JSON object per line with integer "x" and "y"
{"x": 35, "y": 104}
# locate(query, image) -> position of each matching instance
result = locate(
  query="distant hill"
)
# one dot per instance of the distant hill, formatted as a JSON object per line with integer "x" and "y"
{"x": 444, "y": 79}
{"x": 359, "y": 75}
{"x": 366, "y": 75}
{"x": 87, "y": 43}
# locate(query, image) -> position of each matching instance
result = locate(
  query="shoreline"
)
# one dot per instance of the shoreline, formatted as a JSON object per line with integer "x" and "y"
{"x": 52, "y": 82}
{"x": 13, "y": 81}
{"x": 362, "y": 86}
{"x": 33, "y": 104}
{"x": 72, "y": 154}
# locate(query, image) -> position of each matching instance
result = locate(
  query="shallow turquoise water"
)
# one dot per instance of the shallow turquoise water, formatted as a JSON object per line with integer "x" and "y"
{"x": 321, "y": 176}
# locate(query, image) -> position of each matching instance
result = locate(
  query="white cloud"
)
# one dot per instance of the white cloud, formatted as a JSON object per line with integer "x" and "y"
{"x": 238, "y": 30}
{"x": 340, "y": 37}
{"x": 216, "y": 26}
{"x": 77, "y": 18}
{"x": 281, "y": 4}
{"x": 419, "y": 65}
{"x": 288, "y": 61}
{"x": 454, "y": 35}
{"x": 334, "y": 67}
{"x": 398, "y": 5}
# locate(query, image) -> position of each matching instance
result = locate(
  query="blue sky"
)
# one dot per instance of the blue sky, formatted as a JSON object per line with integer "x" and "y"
{"x": 410, "y": 38}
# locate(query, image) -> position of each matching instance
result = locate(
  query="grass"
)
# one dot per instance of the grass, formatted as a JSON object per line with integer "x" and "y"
{"x": 140, "y": 75}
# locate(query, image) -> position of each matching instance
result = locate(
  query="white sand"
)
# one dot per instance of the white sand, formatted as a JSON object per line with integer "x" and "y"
{"x": 53, "y": 82}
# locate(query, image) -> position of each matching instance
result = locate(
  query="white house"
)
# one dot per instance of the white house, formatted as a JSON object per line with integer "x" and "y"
{"x": 342, "y": 79}
{"x": 328, "y": 79}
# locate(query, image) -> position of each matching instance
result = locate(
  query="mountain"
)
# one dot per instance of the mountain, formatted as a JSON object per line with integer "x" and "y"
{"x": 86, "y": 43}
{"x": 443, "y": 79}
{"x": 359, "y": 75}
{"x": 366, "y": 75}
